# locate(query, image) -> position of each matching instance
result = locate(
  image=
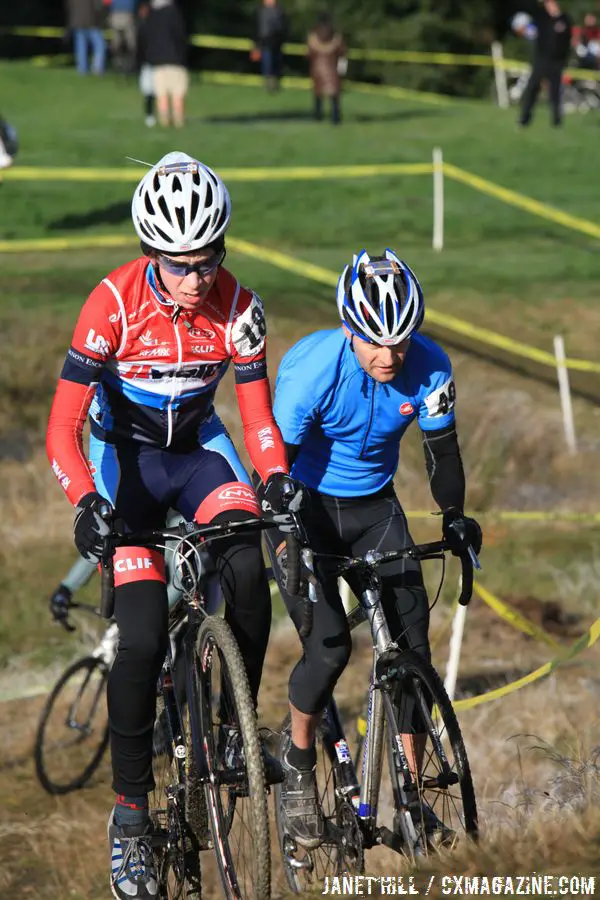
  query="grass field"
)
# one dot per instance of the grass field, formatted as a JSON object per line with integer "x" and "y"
{"x": 504, "y": 269}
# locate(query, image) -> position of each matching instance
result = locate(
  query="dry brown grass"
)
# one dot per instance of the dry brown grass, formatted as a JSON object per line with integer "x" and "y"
{"x": 535, "y": 764}
{"x": 537, "y": 807}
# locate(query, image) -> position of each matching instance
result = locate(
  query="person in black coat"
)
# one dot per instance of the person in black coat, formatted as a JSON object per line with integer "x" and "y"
{"x": 551, "y": 54}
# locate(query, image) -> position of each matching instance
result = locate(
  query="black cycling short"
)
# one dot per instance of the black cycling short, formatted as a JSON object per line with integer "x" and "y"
{"x": 351, "y": 527}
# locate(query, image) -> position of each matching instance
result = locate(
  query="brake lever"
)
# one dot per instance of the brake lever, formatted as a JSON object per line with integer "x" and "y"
{"x": 474, "y": 558}
{"x": 66, "y": 624}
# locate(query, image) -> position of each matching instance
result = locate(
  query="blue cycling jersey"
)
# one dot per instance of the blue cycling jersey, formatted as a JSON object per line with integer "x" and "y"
{"x": 348, "y": 425}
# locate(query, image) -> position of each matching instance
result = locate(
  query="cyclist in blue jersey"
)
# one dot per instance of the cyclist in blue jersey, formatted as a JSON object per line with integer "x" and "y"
{"x": 343, "y": 400}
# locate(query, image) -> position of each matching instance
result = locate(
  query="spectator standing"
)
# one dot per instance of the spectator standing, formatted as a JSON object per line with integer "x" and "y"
{"x": 123, "y": 33}
{"x": 85, "y": 19}
{"x": 271, "y": 30}
{"x": 327, "y": 57}
{"x": 146, "y": 72}
{"x": 550, "y": 57}
{"x": 163, "y": 45}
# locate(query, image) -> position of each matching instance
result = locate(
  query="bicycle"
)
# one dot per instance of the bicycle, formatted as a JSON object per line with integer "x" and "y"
{"x": 72, "y": 734}
{"x": 203, "y": 799}
{"x": 432, "y": 807}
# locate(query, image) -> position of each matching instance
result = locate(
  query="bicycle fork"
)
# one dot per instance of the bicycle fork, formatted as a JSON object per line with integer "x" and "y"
{"x": 379, "y": 705}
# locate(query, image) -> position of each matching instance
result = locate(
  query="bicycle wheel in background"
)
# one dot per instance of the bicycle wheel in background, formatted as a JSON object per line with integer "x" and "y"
{"x": 73, "y": 731}
{"x": 341, "y": 852}
{"x": 443, "y": 809}
{"x": 236, "y": 794}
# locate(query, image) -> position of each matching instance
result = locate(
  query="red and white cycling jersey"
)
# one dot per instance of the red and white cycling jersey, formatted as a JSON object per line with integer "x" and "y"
{"x": 148, "y": 375}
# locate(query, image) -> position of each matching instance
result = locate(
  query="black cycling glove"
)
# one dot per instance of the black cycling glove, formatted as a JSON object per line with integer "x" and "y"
{"x": 278, "y": 493}
{"x": 461, "y": 531}
{"x": 93, "y": 521}
{"x": 60, "y": 603}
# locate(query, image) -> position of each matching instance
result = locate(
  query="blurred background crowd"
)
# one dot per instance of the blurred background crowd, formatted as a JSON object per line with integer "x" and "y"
{"x": 155, "y": 43}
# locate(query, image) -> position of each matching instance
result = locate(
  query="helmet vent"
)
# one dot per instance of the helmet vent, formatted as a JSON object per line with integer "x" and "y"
{"x": 195, "y": 205}
{"x": 176, "y": 184}
{"x": 162, "y": 203}
{"x": 209, "y": 195}
{"x": 148, "y": 204}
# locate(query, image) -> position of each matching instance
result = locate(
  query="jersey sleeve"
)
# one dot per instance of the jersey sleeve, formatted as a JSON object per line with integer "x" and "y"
{"x": 301, "y": 383}
{"x": 437, "y": 394}
{"x": 248, "y": 347}
{"x": 97, "y": 337}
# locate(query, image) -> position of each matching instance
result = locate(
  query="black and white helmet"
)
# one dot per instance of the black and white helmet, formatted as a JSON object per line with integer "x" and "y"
{"x": 379, "y": 299}
{"x": 180, "y": 205}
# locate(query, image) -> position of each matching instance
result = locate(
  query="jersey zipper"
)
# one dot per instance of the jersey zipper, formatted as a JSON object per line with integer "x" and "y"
{"x": 170, "y": 406}
{"x": 373, "y": 385}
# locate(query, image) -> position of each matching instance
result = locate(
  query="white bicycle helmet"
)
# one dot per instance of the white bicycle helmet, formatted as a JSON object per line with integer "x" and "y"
{"x": 180, "y": 205}
{"x": 379, "y": 299}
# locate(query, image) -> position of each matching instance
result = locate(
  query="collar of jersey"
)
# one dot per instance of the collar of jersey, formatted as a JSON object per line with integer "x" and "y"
{"x": 166, "y": 304}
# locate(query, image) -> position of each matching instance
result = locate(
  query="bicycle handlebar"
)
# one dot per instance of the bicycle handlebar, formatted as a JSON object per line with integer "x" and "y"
{"x": 433, "y": 550}
{"x": 190, "y": 531}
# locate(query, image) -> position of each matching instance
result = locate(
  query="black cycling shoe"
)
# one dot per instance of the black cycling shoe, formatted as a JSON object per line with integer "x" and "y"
{"x": 230, "y": 749}
{"x": 300, "y": 809}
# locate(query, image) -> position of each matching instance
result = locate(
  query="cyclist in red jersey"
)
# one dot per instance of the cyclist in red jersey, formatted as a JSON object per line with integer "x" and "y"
{"x": 151, "y": 344}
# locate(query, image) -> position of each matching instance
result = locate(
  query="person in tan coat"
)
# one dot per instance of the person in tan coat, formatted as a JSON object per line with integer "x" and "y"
{"x": 326, "y": 55}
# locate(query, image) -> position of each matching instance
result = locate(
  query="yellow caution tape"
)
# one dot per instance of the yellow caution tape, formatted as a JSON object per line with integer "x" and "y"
{"x": 323, "y": 276}
{"x": 257, "y": 173}
{"x": 513, "y": 198}
{"x": 305, "y": 84}
{"x": 581, "y": 644}
{"x": 420, "y": 57}
{"x": 514, "y": 618}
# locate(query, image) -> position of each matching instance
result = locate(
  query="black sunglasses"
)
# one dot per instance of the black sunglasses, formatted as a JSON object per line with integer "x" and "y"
{"x": 181, "y": 269}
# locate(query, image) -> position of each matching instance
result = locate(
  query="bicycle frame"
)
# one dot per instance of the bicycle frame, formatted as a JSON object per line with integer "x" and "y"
{"x": 379, "y": 700}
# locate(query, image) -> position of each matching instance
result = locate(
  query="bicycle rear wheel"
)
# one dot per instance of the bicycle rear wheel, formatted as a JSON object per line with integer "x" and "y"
{"x": 72, "y": 733}
{"x": 236, "y": 793}
{"x": 341, "y": 852}
{"x": 441, "y": 808}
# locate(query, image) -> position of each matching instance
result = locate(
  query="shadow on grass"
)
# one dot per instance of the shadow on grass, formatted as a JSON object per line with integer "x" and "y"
{"x": 307, "y": 116}
{"x": 106, "y": 215}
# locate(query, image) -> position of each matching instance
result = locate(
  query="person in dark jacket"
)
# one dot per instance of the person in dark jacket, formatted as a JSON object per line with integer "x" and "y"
{"x": 326, "y": 56}
{"x": 271, "y": 28}
{"x": 550, "y": 57}
{"x": 84, "y": 18}
{"x": 163, "y": 45}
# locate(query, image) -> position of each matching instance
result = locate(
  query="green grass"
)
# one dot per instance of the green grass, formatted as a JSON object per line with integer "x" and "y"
{"x": 501, "y": 268}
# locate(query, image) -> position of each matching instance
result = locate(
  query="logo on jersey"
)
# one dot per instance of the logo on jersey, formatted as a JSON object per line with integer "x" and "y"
{"x": 201, "y": 333}
{"x": 63, "y": 479}
{"x": 407, "y": 409}
{"x": 96, "y": 343}
{"x": 267, "y": 441}
{"x": 442, "y": 400}
{"x": 203, "y": 348}
{"x": 147, "y": 339}
{"x": 239, "y": 492}
{"x": 155, "y": 351}
{"x": 130, "y": 565}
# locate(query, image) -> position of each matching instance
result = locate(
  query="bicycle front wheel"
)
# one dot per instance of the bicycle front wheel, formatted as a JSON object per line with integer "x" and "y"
{"x": 235, "y": 793}
{"x": 440, "y": 808}
{"x": 72, "y": 733}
